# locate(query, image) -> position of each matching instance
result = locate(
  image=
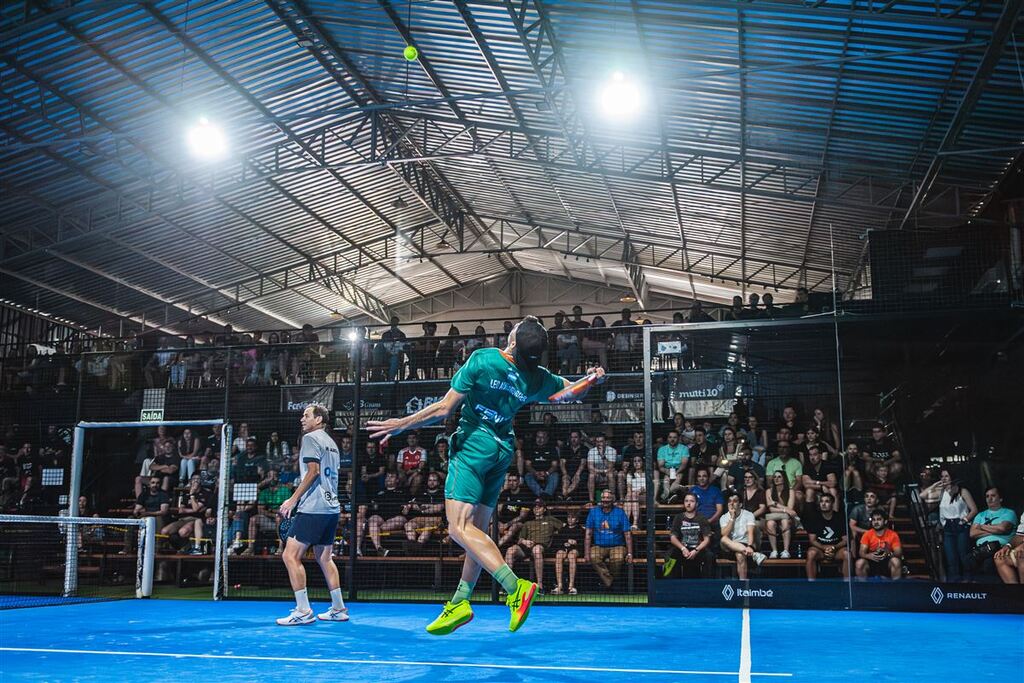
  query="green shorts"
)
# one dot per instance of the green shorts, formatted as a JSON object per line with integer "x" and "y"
{"x": 476, "y": 471}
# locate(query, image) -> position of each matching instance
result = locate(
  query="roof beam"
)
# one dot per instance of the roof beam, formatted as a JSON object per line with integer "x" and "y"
{"x": 1002, "y": 30}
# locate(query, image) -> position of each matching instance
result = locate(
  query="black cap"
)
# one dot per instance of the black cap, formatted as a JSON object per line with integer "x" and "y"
{"x": 531, "y": 342}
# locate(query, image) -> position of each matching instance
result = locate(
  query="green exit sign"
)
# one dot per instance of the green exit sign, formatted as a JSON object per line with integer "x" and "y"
{"x": 152, "y": 415}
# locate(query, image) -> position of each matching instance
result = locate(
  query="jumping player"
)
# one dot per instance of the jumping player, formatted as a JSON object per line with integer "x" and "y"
{"x": 316, "y": 508}
{"x": 493, "y": 384}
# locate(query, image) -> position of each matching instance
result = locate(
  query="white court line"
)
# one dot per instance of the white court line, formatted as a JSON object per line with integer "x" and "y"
{"x": 385, "y": 662}
{"x": 745, "y": 648}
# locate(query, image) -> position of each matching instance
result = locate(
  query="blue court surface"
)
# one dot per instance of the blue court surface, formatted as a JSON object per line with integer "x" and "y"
{"x": 238, "y": 641}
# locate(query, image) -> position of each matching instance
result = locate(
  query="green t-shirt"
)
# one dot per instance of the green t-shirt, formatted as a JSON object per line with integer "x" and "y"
{"x": 495, "y": 389}
{"x": 673, "y": 457}
{"x": 273, "y": 498}
{"x": 792, "y": 468}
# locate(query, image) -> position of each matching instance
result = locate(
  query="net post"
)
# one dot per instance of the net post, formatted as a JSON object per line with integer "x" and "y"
{"x": 649, "y": 465}
{"x": 220, "y": 568}
{"x": 71, "y": 537}
{"x": 148, "y": 552}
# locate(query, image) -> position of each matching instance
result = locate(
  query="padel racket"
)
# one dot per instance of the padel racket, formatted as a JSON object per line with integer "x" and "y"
{"x": 575, "y": 390}
{"x": 284, "y": 527}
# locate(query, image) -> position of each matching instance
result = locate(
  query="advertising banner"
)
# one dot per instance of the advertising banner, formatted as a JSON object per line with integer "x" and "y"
{"x": 295, "y": 398}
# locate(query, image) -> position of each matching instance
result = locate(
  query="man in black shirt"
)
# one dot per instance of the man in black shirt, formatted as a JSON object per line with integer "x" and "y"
{"x": 818, "y": 477}
{"x": 387, "y": 508}
{"x": 701, "y": 453}
{"x": 882, "y": 452}
{"x": 152, "y": 502}
{"x": 513, "y": 508}
{"x": 426, "y": 515}
{"x": 197, "y": 501}
{"x": 247, "y": 464}
{"x": 826, "y": 532}
{"x": 392, "y": 347}
{"x": 691, "y": 542}
{"x": 165, "y": 464}
{"x": 541, "y": 465}
{"x": 574, "y": 467}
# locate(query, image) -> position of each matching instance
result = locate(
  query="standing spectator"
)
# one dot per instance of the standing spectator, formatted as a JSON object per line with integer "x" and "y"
{"x": 626, "y": 341}
{"x": 882, "y": 451}
{"x": 608, "y": 542}
{"x": 411, "y": 464}
{"x": 423, "y": 353}
{"x": 673, "y": 459}
{"x": 477, "y": 341}
{"x": 449, "y": 351}
{"x": 534, "y": 539}
{"x": 1009, "y": 559}
{"x": 574, "y": 467}
{"x": 265, "y": 519}
{"x": 739, "y": 531}
{"x": 425, "y": 513}
{"x": 769, "y": 311}
{"x": 501, "y": 339}
{"x": 860, "y": 515}
{"x": 387, "y": 508}
{"x": 188, "y": 455}
{"x": 165, "y": 465}
{"x": 393, "y": 349}
{"x": 781, "y": 512}
{"x": 567, "y": 544}
{"x": 513, "y": 508}
{"x": 991, "y": 530}
{"x": 736, "y": 311}
{"x": 826, "y": 533}
{"x": 697, "y": 314}
{"x": 153, "y": 502}
{"x": 595, "y": 342}
{"x": 881, "y": 552}
{"x": 818, "y": 478}
{"x": 567, "y": 345}
{"x": 635, "y": 488}
{"x": 691, "y": 542}
{"x": 602, "y": 464}
{"x": 710, "y": 502}
{"x": 957, "y": 511}
{"x": 542, "y": 466}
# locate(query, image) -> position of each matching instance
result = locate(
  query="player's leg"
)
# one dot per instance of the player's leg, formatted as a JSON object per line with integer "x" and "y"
{"x": 338, "y": 611}
{"x": 294, "y": 550}
{"x": 457, "y": 612}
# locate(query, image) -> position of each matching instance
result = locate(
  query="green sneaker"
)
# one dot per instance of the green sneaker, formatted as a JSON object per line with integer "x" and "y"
{"x": 452, "y": 617}
{"x": 519, "y": 603}
{"x": 670, "y": 564}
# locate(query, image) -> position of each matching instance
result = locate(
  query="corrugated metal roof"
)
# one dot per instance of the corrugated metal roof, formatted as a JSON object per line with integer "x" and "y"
{"x": 772, "y": 131}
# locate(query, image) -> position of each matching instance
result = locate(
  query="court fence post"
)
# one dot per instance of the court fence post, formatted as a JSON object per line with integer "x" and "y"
{"x": 71, "y": 538}
{"x": 148, "y": 551}
{"x": 220, "y": 564}
{"x": 353, "y": 529}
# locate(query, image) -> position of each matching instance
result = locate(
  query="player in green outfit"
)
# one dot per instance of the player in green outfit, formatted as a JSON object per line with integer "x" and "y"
{"x": 493, "y": 385}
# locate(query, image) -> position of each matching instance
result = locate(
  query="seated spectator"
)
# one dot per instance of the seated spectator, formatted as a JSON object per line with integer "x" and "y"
{"x": 753, "y": 499}
{"x": 386, "y": 512}
{"x": 372, "y": 469}
{"x": 710, "y": 502}
{"x": 636, "y": 490}
{"x": 153, "y": 502}
{"x": 438, "y": 460}
{"x": 187, "y": 448}
{"x": 602, "y": 464}
{"x": 1009, "y": 559}
{"x": 165, "y": 466}
{"x": 691, "y": 543}
{"x": 635, "y": 447}
{"x": 425, "y": 513}
{"x": 277, "y": 452}
{"x": 701, "y": 453}
{"x": 788, "y": 464}
{"x": 198, "y": 500}
{"x": 574, "y": 467}
{"x": 883, "y": 486}
{"x": 881, "y": 553}
{"x": 781, "y": 502}
{"x": 555, "y": 432}
{"x": 608, "y": 542}
{"x": 957, "y": 511}
{"x": 243, "y": 436}
{"x": 535, "y": 539}
{"x": 991, "y": 530}
{"x": 738, "y": 533}
{"x": 818, "y": 478}
{"x": 248, "y": 464}
{"x": 860, "y": 515}
{"x": 411, "y": 464}
{"x": 596, "y": 426}
{"x": 541, "y": 465}
{"x": 567, "y": 545}
{"x": 673, "y": 459}
{"x": 513, "y": 508}
{"x": 854, "y": 463}
{"x": 743, "y": 464}
{"x": 826, "y": 533}
{"x": 265, "y": 519}
{"x": 756, "y": 438}
{"x": 881, "y": 450}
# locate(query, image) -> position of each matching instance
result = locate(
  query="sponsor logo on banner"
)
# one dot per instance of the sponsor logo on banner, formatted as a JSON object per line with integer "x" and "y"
{"x": 707, "y": 392}
{"x": 417, "y": 403}
{"x": 938, "y": 595}
{"x": 612, "y": 396}
{"x": 728, "y": 592}
{"x": 296, "y": 398}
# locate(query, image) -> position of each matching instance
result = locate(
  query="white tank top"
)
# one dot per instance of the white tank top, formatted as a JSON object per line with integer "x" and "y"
{"x": 950, "y": 509}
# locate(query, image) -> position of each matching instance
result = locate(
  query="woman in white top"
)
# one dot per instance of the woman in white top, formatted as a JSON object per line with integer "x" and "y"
{"x": 738, "y": 532}
{"x": 636, "y": 487}
{"x": 956, "y": 512}
{"x": 781, "y": 502}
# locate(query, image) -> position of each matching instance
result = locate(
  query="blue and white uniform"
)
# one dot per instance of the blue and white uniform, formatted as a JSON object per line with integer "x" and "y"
{"x": 316, "y": 515}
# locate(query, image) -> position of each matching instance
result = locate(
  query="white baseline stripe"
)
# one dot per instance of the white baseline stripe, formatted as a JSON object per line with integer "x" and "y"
{"x": 382, "y": 662}
{"x": 745, "y": 648}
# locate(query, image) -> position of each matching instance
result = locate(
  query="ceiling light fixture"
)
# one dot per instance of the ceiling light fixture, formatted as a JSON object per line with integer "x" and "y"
{"x": 206, "y": 140}
{"x": 620, "y": 98}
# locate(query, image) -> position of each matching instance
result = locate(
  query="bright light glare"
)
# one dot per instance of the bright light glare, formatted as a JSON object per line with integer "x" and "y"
{"x": 207, "y": 141}
{"x": 620, "y": 99}
{"x": 352, "y": 336}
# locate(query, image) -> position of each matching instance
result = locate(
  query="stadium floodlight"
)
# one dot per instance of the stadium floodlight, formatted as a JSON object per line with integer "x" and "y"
{"x": 621, "y": 99}
{"x": 206, "y": 140}
{"x": 352, "y": 336}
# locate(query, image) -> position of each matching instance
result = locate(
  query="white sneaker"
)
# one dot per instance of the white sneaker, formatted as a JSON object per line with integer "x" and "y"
{"x": 784, "y": 555}
{"x": 297, "y": 618}
{"x": 334, "y": 615}
{"x": 758, "y": 558}
{"x": 774, "y": 555}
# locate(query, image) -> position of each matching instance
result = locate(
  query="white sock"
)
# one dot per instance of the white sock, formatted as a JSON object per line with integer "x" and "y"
{"x": 302, "y": 600}
{"x": 337, "y": 603}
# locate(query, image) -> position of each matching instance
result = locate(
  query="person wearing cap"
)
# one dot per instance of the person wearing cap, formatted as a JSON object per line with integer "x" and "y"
{"x": 534, "y": 538}
{"x": 491, "y": 387}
